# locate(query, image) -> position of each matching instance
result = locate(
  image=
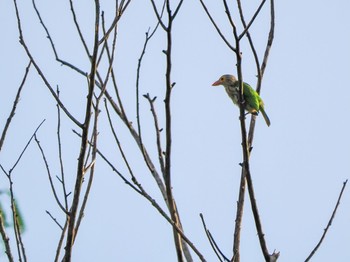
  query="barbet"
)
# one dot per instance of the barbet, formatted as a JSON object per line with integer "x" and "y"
{"x": 252, "y": 100}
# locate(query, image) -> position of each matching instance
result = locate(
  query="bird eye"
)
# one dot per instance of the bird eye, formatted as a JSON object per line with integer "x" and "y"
{"x": 221, "y": 79}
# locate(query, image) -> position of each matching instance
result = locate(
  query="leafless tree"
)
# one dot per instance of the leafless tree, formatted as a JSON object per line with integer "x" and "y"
{"x": 105, "y": 106}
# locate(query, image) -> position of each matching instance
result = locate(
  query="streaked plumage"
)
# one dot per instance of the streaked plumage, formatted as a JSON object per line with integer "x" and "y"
{"x": 253, "y": 102}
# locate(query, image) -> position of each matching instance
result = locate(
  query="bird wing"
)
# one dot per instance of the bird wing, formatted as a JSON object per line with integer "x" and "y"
{"x": 251, "y": 97}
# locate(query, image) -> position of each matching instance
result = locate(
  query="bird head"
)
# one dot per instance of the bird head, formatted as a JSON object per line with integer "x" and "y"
{"x": 225, "y": 80}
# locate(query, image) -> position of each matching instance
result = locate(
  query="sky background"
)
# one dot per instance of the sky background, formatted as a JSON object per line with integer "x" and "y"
{"x": 298, "y": 164}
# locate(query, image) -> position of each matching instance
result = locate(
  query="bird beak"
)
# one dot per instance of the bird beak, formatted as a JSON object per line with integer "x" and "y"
{"x": 217, "y": 83}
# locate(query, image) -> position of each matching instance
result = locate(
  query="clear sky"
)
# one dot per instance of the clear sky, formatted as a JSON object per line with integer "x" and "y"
{"x": 298, "y": 164}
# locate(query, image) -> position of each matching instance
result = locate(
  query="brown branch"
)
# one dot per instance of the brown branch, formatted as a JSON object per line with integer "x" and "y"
{"x": 78, "y": 28}
{"x": 5, "y": 238}
{"x": 246, "y": 153}
{"x": 177, "y": 9}
{"x": 238, "y": 220}
{"x": 15, "y": 103}
{"x": 119, "y": 12}
{"x": 139, "y": 64}
{"x": 329, "y": 223}
{"x": 270, "y": 39}
{"x": 84, "y": 141}
{"x": 246, "y": 147}
{"x": 217, "y": 27}
{"x": 139, "y": 189}
{"x": 21, "y": 39}
{"x": 250, "y": 40}
{"x": 138, "y": 141}
{"x": 60, "y": 242}
{"x": 252, "y": 122}
{"x": 159, "y": 16}
{"x": 17, "y": 229}
{"x": 246, "y": 28}
{"x": 157, "y": 130}
{"x": 212, "y": 242}
{"x": 26, "y": 146}
{"x": 49, "y": 175}
{"x": 168, "y": 134}
{"x": 62, "y": 178}
{"x": 54, "y": 219}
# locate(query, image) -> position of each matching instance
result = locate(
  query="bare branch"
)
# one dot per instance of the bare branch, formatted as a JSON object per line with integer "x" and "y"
{"x": 12, "y": 113}
{"x": 54, "y": 220}
{"x": 5, "y": 238}
{"x": 252, "y": 20}
{"x": 62, "y": 178}
{"x": 60, "y": 242}
{"x": 238, "y": 220}
{"x": 78, "y": 29}
{"x": 157, "y": 130}
{"x": 143, "y": 193}
{"x": 118, "y": 14}
{"x": 177, "y": 9}
{"x": 49, "y": 175}
{"x": 212, "y": 242}
{"x": 138, "y": 116}
{"x": 159, "y": 16}
{"x": 168, "y": 136}
{"x": 25, "y": 148}
{"x": 329, "y": 223}
{"x": 216, "y": 27}
{"x": 84, "y": 141}
{"x": 271, "y": 37}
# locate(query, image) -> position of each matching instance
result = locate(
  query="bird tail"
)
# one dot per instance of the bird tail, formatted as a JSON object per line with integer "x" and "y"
{"x": 267, "y": 120}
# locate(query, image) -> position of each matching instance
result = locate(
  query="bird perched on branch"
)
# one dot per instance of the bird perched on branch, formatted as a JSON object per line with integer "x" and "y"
{"x": 252, "y": 100}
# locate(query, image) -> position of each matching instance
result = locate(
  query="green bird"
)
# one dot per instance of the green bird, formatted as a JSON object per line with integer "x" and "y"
{"x": 252, "y": 100}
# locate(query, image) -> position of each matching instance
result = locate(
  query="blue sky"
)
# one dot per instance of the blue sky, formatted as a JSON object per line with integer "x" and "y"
{"x": 298, "y": 164}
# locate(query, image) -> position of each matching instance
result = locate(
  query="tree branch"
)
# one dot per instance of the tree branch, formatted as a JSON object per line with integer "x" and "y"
{"x": 217, "y": 27}
{"x": 329, "y": 223}
{"x": 15, "y": 103}
{"x": 84, "y": 141}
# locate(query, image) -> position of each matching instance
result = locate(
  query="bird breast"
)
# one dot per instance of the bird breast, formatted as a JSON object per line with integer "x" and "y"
{"x": 233, "y": 93}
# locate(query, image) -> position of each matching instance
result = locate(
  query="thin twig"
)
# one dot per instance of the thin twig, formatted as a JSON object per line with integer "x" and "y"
{"x": 159, "y": 17}
{"x": 16, "y": 225}
{"x": 60, "y": 242}
{"x": 125, "y": 159}
{"x": 76, "y": 23}
{"x": 119, "y": 12}
{"x": 54, "y": 219}
{"x": 143, "y": 193}
{"x": 26, "y": 146}
{"x": 49, "y": 175}
{"x": 212, "y": 242}
{"x": 60, "y": 157}
{"x": 147, "y": 39}
{"x": 21, "y": 40}
{"x": 157, "y": 130}
{"x": 143, "y": 150}
{"x": 329, "y": 223}
{"x": 217, "y": 27}
{"x": 5, "y": 238}
{"x": 140, "y": 190}
{"x": 270, "y": 39}
{"x": 252, "y": 20}
{"x": 15, "y": 103}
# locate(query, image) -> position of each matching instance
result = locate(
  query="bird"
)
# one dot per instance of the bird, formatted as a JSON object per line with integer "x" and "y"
{"x": 252, "y": 100}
